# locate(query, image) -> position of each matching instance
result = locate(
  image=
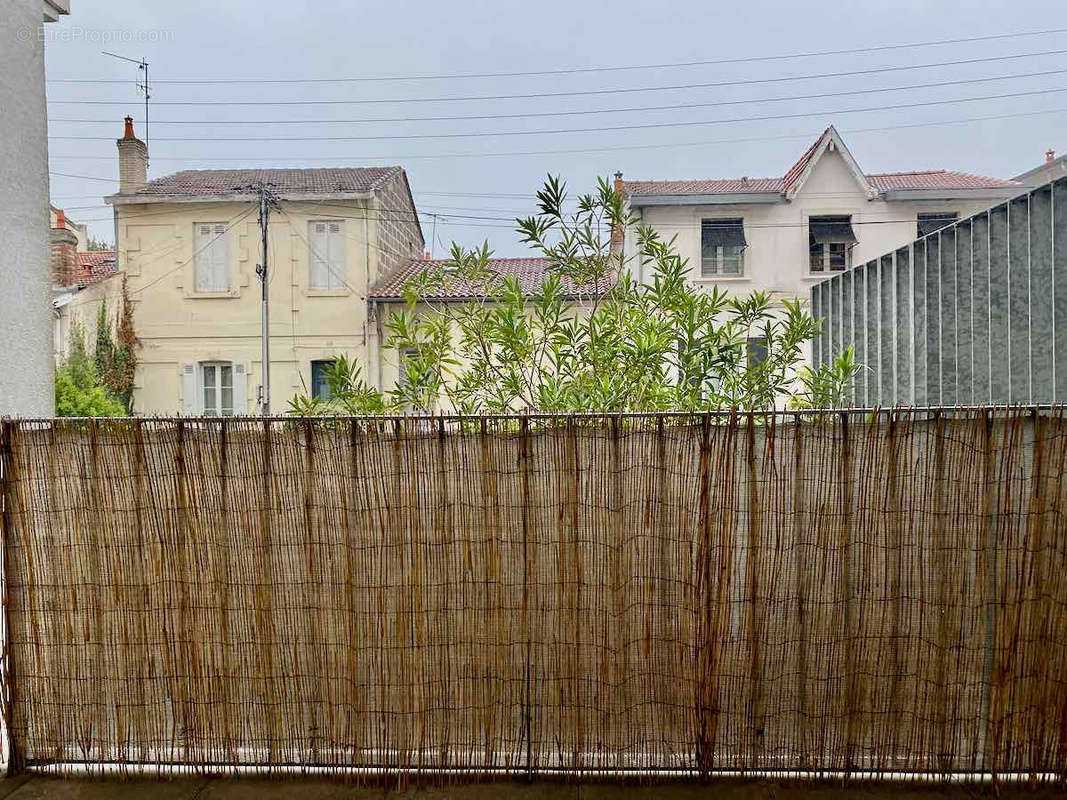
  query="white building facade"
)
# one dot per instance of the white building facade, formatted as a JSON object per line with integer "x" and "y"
{"x": 781, "y": 235}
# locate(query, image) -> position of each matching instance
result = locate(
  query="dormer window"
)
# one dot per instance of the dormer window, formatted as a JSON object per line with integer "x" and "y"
{"x": 830, "y": 243}
{"x": 722, "y": 247}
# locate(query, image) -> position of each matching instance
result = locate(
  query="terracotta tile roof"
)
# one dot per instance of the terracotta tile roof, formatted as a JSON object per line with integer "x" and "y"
{"x": 326, "y": 180}
{"x": 795, "y": 171}
{"x": 95, "y": 265}
{"x": 936, "y": 179}
{"x": 883, "y": 182}
{"x": 712, "y": 186}
{"x": 530, "y": 272}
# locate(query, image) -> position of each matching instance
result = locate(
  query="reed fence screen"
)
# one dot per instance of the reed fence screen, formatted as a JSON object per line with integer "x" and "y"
{"x": 540, "y": 595}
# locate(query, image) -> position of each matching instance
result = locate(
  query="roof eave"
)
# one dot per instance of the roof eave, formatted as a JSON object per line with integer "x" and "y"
{"x": 977, "y": 193}
{"x": 710, "y": 199}
{"x": 230, "y": 197}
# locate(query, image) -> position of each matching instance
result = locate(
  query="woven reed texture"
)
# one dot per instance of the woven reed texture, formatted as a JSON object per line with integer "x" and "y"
{"x": 580, "y": 594}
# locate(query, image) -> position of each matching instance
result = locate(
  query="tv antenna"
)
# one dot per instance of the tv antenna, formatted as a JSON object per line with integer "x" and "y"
{"x": 143, "y": 85}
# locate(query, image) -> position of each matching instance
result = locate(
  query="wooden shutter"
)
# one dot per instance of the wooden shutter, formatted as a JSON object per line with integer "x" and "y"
{"x": 220, "y": 252}
{"x": 240, "y": 388}
{"x": 190, "y": 395}
{"x": 319, "y": 241}
{"x": 212, "y": 257}
{"x": 336, "y": 256}
{"x": 203, "y": 264}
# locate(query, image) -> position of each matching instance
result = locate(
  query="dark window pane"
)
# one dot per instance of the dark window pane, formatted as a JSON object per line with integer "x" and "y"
{"x": 816, "y": 259}
{"x": 838, "y": 255}
{"x": 320, "y": 387}
{"x": 757, "y": 351}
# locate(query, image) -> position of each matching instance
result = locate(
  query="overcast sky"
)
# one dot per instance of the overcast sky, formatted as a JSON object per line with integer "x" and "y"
{"x": 495, "y": 163}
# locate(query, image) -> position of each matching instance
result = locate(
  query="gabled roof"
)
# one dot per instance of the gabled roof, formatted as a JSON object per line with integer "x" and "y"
{"x": 530, "y": 273}
{"x": 738, "y": 190}
{"x": 326, "y": 181}
{"x": 830, "y": 140}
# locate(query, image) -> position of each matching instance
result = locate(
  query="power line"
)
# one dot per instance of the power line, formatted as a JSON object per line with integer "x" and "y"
{"x": 581, "y": 112}
{"x": 581, "y": 70}
{"x": 577, "y": 93}
{"x": 602, "y": 129}
{"x": 560, "y": 151}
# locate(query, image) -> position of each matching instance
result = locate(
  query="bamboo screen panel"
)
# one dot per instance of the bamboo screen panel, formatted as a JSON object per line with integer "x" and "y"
{"x": 541, "y": 595}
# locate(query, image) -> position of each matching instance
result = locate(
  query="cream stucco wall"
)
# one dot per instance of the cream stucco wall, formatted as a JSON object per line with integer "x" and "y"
{"x": 83, "y": 307}
{"x": 776, "y": 259}
{"x": 179, "y": 326}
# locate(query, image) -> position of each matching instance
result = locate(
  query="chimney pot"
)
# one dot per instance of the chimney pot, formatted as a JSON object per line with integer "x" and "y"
{"x": 1050, "y": 155}
{"x": 133, "y": 160}
{"x": 61, "y": 218}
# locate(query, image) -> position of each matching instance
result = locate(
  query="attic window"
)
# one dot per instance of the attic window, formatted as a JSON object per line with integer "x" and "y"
{"x": 935, "y": 221}
{"x": 830, "y": 243}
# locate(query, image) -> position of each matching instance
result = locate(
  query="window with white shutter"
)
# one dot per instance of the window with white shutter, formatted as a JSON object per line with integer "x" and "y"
{"x": 212, "y": 259}
{"x": 327, "y": 256}
{"x": 216, "y": 382}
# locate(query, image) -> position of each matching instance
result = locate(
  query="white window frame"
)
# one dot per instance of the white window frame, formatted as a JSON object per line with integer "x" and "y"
{"x": 719, "y": 270}
{"x": 327, "y": 256}
{"x": 720, "y": 253}
{"x": 215, "y": 369}
{"x": 211, "y": 259}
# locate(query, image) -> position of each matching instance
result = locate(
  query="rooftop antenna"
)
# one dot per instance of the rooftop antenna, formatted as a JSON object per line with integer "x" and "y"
{"x": 143, "y": 86}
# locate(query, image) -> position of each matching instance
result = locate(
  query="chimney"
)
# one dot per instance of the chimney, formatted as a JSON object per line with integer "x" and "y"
{"x": 618, "y": 233}
{"x": 133, "y": 160}
{"x": 64, "y": 253}
{"x": 1050, "y": 156}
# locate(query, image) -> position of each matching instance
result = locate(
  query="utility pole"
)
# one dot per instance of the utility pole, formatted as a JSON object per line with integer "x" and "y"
{"x": 266, "y": 199}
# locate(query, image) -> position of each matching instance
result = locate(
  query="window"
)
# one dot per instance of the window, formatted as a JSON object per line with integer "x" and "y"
{"x": 320, "y": 387}
{"x": 935, "y": 221}
{"x": 212, "y": 257}
{"x": 756, "y": 350}
{"x": 328, "y": 268}
{"x": 722, "y": 247}
{"x": 217, "y": 382}
{"x": 830, "y": 243}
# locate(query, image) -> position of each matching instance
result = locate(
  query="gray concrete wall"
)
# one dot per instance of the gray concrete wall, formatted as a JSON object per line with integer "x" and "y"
{"x": 975, "y": 313}
{"x": 25, "y": 272}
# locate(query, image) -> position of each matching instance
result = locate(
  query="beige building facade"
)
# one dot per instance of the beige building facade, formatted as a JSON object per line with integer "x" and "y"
{"x": 190, "y": 245}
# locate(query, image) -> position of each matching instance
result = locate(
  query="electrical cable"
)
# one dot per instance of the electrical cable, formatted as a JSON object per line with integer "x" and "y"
{"x": 579, "y": 70}
{"x": 578, "y": 93}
